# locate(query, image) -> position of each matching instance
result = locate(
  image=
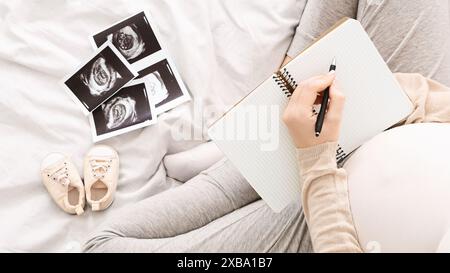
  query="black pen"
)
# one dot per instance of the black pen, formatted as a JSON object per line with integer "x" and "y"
{"x": 324, "y": 105}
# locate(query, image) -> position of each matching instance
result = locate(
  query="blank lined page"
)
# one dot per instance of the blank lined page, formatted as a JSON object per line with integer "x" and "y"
{"x": 261, "y": 149}
{"x": 375, "y": 102}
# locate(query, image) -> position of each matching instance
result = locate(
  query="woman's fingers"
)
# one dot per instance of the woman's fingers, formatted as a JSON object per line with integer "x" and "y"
{"x": 298, "y": 114}
{"x": 310, "y": 89}
{"x": 310, "y": 93}
{"x": 336, "y": 104}
{"x": 319, "y": 99}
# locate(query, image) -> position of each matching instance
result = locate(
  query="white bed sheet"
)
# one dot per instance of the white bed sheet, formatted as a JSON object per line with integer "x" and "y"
{"x": 222, "y": 48}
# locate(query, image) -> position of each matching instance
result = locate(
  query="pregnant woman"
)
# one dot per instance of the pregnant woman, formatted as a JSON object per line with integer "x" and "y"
{"x": 218, "y": 210}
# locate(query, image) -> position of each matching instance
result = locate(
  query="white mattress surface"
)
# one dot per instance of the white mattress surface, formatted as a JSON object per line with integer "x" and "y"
{"x": 223, "y": 49}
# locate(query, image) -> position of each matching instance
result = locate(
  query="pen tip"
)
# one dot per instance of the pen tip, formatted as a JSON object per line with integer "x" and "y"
{"x": 334, "y": 61}
{"x": 317, "y": 134}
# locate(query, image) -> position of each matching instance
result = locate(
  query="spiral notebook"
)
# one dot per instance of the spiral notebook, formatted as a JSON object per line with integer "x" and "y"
{"x": 254, "y": 138}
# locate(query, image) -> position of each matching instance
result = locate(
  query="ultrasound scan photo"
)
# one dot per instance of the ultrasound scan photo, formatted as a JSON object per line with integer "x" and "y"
{"x": 99, "y": 78}
{"x": 131, "y": 108}
{"x": 133, "y": 37}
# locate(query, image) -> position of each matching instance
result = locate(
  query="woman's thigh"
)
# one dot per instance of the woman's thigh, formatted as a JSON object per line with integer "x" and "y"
{"x": 253, "y": 228}
{"x": 208, "y": 213}
{"x": 413, "y": 36}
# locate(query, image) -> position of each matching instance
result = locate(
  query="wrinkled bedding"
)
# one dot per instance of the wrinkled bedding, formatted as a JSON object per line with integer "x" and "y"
{"x": 222, "y": 48}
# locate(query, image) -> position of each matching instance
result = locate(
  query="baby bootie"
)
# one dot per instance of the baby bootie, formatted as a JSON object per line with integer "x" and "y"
{"x": 101, "y": 173}
{"x": 63, "y": 183}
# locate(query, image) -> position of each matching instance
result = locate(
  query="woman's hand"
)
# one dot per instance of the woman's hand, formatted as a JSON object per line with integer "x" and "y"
{"x": 299, "y": 117}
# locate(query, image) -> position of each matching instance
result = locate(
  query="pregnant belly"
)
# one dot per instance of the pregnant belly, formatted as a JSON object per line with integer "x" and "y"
{"x": 399, "y": 186}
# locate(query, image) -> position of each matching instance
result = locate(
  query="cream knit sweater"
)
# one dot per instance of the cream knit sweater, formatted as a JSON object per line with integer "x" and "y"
{"x": 324, "y": 186}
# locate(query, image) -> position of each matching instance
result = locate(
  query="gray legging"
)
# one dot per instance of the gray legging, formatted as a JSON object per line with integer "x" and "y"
{"x": 218, "y": 210}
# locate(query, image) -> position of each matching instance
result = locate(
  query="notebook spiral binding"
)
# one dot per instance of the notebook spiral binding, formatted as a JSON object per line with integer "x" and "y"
{"x": 288, "y": 85}
{"x": 286, "y": 82}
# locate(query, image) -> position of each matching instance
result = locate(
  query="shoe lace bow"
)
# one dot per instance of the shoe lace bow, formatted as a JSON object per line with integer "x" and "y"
{"x": 61, "y": 175}
{"x": 100, "y": 167}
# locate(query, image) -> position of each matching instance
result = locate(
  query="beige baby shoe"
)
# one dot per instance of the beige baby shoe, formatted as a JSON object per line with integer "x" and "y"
{"x": 63, "y": 182}
{"x": 101, "y": 172}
